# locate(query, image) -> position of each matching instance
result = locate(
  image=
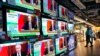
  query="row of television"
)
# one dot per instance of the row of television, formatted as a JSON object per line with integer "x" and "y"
{"x": 49, "y": 7}
{"x": 25, "y": 24}
{"x": 46, "y": 47}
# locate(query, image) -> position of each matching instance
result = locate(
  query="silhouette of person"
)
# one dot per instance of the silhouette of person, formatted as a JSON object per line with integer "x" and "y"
{"x": 34, "y": 23}
{"x": 89, "y": 38}
{"x": 26, "y": 24}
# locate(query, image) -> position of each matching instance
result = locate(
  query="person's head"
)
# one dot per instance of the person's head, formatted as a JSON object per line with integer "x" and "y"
{"x": 18, "y": 48}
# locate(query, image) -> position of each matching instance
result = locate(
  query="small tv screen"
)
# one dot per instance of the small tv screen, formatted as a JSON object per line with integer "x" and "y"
{"x": 21, "y": 24}
{"x": 63, "y": 12}
{"x": 13, "y": 49}
{"x": 70, "y": 26}
{"x": 71, "y": 42}
{"x": 70, "y": 15}
{"x": 44, "y": 48}
{"x": 29, "y": 4}
{"x": 48, "y": 26}
{"x": 62, "y": 26}
{"x": 60, "y": 45}
{"x": 50, "y": 7}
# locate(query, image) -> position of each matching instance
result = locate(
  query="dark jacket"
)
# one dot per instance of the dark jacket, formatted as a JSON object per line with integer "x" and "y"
{"x": 22, "y": 54}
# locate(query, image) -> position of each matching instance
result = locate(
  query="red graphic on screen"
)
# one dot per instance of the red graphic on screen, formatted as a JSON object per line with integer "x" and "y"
{"x": 61, "y": 43}
{"x": 62, "y": 26}
{"x": 4, "y": 51}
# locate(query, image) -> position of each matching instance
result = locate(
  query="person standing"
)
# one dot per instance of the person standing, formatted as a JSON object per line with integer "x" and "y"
{"x": 89, "y": 38}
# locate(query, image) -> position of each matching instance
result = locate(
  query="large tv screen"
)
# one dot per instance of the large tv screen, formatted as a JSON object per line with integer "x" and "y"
{"x": 21, "y": 24}
{"x": 63, "y": 12}
{"x": 44, "y": 48}
{"x": 60, "y": 45}
{"x": 29, "y": 4}
{"x": 71, "y": 42}
{"x": 62, "y": 26}
{"x": 50, "y": 7}
{"x": 15, "y": 48}
{"x": 48, "y": 26}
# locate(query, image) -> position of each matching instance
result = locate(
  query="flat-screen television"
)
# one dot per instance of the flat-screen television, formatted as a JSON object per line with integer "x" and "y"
{"x": 70, "y": 15}
{"x": 13, "y": 49}
{"x": 60, "y": 45}
{"x": 21, "y": 24}
{"x": 50, "y": 7}
{"x": 48, "y": 26}
{"x": 29, "y": 4}
{"x": 70, "y": 27}
{"x": 63, "y": 12}
{"x": 44, "y": 48}
{"x": 71, "y": 42}
{"x": 62, "y": 26}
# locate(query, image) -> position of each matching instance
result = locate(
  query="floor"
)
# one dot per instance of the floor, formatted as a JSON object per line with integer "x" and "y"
{"x": 81, "y": 50}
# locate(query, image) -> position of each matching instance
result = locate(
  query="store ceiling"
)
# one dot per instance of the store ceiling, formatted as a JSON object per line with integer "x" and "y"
{"x": 88, "y": 10}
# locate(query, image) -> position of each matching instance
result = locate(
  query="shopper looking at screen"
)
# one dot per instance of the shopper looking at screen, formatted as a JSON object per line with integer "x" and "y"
{"x": 89, "y": 37}
{"x": 18, "y": 51}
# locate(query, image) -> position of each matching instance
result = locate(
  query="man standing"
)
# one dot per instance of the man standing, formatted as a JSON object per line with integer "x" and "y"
{"x": 89, "y": 38}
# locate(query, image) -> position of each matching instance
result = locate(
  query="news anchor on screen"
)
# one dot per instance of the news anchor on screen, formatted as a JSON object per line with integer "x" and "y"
{"x": 18, "y": 51}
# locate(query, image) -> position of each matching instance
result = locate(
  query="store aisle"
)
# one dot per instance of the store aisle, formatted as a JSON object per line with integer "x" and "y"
{"x": 86, "y": 51}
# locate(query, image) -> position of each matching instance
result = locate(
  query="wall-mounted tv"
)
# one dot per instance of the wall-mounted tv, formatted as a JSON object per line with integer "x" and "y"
{"x": 70, "y": 15}
{"x": 48, "y": 26}
{"x": 70, "y": 27}
{"x": 21, "y": 24}
{"x": 44, "y": 48}
{"x": 13, "y": 49}
{"x": 29, "y": 4}
{"x": 71, "y": 42}
{"x": 60, "y": 45}
{"x": 50, "y": 7}
{"x": 63, "y": 12}
{"x": 62, "y": 26}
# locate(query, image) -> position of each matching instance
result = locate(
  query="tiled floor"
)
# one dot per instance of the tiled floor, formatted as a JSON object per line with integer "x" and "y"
{"x": 86, "y": 51}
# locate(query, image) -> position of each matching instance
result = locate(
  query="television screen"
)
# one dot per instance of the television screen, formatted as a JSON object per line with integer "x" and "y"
{"x": 48, "y": 26}
{"x": 62, "y": 26}
{"x": 50, "y": 7}
{"x": 21, "y": 24}
{"x": 15, "y": 48}
{"x": 29, "y": 4}
{"x": 63, "y": 12}
{"x": 70, "y": 26}
{"x": 70, "y": 15}
{"x": 60, "y": 45}
{"x": 71, "y": 42}
{"x": 44, "y": 48}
